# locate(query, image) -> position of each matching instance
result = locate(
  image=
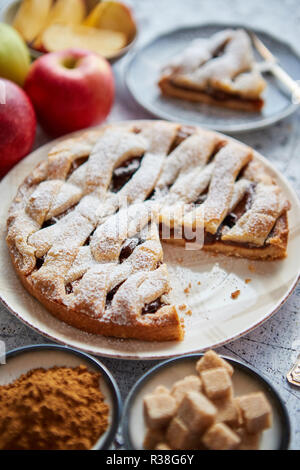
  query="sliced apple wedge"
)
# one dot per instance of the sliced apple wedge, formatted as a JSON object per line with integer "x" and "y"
{"x": 69, "y": 12}
{"x": 31, "y": 18}
{"x": 94, "y": 16}
{"x": 105, "y": 42}
{"x": 114, "y": 16}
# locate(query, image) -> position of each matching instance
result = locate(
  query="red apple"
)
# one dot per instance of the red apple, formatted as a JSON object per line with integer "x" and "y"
{"x": 17, "y": 125}
{"x": 70, "y": 90}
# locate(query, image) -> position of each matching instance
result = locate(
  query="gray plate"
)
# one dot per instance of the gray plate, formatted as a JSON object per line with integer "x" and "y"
{"x": 245, "y": 380}
{"x": 144, "y": 69}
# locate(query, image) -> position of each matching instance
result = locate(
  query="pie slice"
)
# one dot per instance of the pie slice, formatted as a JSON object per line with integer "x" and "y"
{"x": 84, "y": 229}
{"x": 220, "y": 71}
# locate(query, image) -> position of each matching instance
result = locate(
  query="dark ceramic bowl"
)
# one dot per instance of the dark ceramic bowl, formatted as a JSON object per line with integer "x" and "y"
{"x": 245, "y": 380}
{"x": 21, "y": 360}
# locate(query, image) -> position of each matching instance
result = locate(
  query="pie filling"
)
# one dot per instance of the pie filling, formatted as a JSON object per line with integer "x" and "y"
{"x": 153, "y": 307}
{"x": 53, "y": 220}
{"x": 76, "y": 164}
{"x": 88, "y": 240}
{"x": 211, "y": 239}
{"x": 124, "y": 172}
{"x": 39, "y": 262}
{"x": 48, "y": 223}
{"x": 182, "y": 133}
{"x": 129, "y": 246}
{"x": 231, "y": 219}
{"x": 218, "y": 95}
{"x": 69, "y": 288}
{"x": 110, "y": 295}
{"x": 219, "y": 51}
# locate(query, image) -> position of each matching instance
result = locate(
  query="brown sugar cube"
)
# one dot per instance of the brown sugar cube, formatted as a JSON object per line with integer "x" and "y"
{"x": 248, "y": 441}
{"x": 188, "y": 384}
{"x": 180, "y": 437}
{"x": 256, "y": 412}
{"x": 162, "y": 446}
{"x": 196, "y": 411}
{"x": 216, "y": 383}
{"x": 153, "y": 437}
{"x": 228, "y": 412}
{"x": 211, "y": 360}
{"x": 220, "y": 437}
{"x": 159, "y": 409}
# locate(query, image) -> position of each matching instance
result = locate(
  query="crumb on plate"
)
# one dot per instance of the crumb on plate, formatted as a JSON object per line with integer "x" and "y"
{"x": 188, "y": 289}
{"x": 235, "y": 294}
{"x": 182, "y": 307}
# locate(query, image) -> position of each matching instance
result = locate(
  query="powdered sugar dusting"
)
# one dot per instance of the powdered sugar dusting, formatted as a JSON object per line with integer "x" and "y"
{"x": 91, "y": 223}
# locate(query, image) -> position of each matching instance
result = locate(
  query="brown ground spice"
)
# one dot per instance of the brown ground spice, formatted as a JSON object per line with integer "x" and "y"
{"x": 58, "y": 408}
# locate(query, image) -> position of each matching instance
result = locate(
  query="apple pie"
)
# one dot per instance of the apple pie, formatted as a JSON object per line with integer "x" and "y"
{"x": 220, "y": 70}
{"x": 84, "y": 230}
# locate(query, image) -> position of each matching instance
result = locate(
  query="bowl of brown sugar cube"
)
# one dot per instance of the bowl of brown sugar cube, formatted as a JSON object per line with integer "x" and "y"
{"x": 205, "y": 402}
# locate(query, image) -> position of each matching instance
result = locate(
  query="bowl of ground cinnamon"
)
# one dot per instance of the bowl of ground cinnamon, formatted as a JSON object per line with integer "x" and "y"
{"x": 56, "y": 398}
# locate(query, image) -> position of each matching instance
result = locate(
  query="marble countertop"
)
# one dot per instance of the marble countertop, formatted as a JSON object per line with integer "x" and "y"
{"x": 273, "y": 346}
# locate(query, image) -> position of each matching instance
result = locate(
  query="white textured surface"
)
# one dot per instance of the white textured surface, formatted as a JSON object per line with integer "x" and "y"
{"x": 272, "y": 347}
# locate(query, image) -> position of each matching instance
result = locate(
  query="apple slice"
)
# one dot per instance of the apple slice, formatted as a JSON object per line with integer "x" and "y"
{"x": 31, "y": 17}
{"x": 63, "y": 12}
{"x": 112, "y": 15}
{"x": 105, "y": 42}
{"x": 93, "y": 18}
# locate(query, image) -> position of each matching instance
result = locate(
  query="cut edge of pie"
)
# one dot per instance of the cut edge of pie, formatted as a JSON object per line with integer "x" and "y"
{"x": 276, "y": 248}
{"x": 218, "y": 71}
{"x": 61, "y": 229}
{"x": 169, "y": 88}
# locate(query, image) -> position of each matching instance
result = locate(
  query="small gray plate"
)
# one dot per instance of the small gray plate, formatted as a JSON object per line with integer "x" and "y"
{"x": 144, "y": 69}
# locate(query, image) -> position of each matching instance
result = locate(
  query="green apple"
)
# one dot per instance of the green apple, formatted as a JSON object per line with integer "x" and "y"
{"x": 14, "y": 55}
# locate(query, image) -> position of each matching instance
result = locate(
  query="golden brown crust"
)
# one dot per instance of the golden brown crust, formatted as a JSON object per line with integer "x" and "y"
{"x": 167, "y": 327}
{"x": 268, "y": 253}
{"x": 232, "y": 102}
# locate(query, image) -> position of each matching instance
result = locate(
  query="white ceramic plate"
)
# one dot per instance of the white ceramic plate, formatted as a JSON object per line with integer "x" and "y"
{"x": 216, "y": 318}
{"x": 245, "y": 380}
{"x": 22, "y": 360}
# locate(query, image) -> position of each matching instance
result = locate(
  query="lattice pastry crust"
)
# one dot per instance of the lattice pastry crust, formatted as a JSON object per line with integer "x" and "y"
{"x": 83, "y": 230}
{"x": 220, "y": 70}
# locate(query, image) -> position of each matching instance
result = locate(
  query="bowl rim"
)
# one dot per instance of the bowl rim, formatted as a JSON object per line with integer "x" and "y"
{"x": 105, "y": 373}
{"x": 253, "y": 372}
{"x": 35, "y": 54}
